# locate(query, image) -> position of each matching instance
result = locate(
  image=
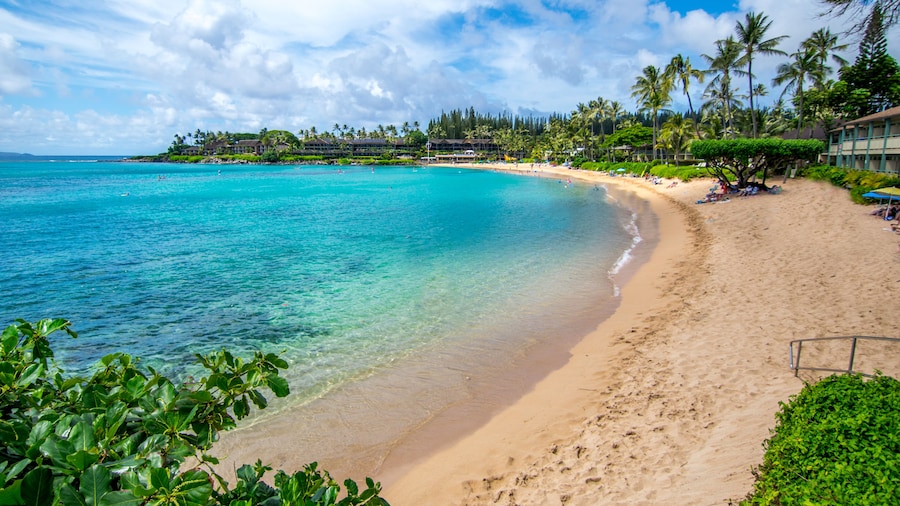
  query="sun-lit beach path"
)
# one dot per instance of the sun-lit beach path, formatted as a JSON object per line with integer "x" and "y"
{"x": 670, "y": 400}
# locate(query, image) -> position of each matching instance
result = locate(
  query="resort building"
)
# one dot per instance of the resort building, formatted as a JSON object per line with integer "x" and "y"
{"x": 456, "y": 150}
{"x": 868, "y": 143}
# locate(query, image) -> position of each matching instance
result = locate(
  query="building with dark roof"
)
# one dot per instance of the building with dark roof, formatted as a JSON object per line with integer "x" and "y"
{"x": 868, "y": 143}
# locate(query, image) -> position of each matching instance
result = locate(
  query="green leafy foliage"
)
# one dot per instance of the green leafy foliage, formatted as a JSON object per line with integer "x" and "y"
{"x": 741, "y": 159}
{"x": 836, "y": 442}
{"x": 634, "y": 136}
{"x": 684, "y": 173}
{"x": 123, "y": 435}
{"x": 186, "y": 158}
{"x": 636, "y": 168}
{"x": 858, "y": 181}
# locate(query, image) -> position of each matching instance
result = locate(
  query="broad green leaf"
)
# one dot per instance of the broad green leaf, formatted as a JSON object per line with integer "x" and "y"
{"x": 153, "y": 443}
{"x": 83, "y": 459}
{"x": 246, "y": 473}
{"x": 57, "y": 450}
{"x": 17, "y": 468}
{"x": 135, "y": 387}
{"x": 120, "y": 498}
{"x": 95, "y": 484}
{"x": 278, "y": 385}
{"x": 160, "y": 478}
{"x": 276, "y": 361}
{"x": 125, "y": 464}
{"x": 9, "y": 338}
{"x": 82, "y": 436}
{"x": 116, "y": 414}
{"x": 235, "y": 384}
{"x": 30, "y": 375}
{"x": 39, "y": 433}
{"x": 241, "y": 408}
{"x": 201, "y": 396}
{"x": 11, "y": 494}
{"x": 37, "y": 487}
{"x": 195, "y": 486}
{"x": 352, "y": 487}
{"x": 47, "y": 327}
{"x": 258, "y": 399}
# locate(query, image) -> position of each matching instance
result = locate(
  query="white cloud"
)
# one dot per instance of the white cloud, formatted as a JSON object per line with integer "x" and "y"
{"x": 14, "y": 73}
{"x": 146, "y": 69}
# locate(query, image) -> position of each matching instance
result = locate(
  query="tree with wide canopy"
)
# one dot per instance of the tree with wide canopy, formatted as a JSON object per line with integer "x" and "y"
{"x": 741, "y": 159}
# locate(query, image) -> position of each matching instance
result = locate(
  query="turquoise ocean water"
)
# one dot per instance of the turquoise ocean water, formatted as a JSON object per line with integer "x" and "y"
{"x": 345, "y": 272}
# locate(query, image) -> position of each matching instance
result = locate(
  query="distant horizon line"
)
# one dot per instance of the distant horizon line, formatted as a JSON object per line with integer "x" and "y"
{"x": 9, "y": 155}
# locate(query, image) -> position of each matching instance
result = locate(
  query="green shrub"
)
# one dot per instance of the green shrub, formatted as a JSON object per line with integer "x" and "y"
{"x": 301, "y": 158}
{"x": 836, "y": 442}
{"x": 683, "y": 172}
{"x": 186, "y": 158}
{"x": 247, "y": 157}
{"x": 858, "y": 181}
{"x": 123, "y": 435}
{"x": 270, "y": 156}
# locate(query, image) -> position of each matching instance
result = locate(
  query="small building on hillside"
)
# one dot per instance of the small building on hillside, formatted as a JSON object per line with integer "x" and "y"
{"x": 868, "y": 143}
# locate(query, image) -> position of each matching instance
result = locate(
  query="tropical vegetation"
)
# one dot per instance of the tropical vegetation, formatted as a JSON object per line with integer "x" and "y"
{"x": 741, "y": 159}
{"x": 129, "y": 436}
{"x": 836, "y": 442}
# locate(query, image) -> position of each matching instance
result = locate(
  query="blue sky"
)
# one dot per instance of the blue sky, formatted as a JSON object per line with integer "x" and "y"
{"x": 122, "y": 77}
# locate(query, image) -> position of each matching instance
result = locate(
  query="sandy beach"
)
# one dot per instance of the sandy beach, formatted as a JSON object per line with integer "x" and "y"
{"x": 670, "y": 399}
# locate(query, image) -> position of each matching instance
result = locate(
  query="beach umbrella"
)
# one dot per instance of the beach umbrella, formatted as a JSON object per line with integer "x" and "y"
{"x": 879, "y": 196}
{"x": 890, "y": 191}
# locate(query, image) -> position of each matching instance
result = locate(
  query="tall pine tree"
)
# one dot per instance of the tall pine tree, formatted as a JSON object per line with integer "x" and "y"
{"x": 873, "y": 81}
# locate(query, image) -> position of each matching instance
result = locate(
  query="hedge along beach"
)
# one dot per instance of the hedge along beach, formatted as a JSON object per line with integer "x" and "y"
{"x": 669, "y": 399}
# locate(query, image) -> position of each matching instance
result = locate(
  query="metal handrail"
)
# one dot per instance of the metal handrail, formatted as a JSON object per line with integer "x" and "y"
{"x": 795, "y": 366}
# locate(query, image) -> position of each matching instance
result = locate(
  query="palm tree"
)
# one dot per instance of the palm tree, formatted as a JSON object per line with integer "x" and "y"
{"x": 805, "y": 64}
{"x": 721, "y": 102}
{"x": 724, "y": 63}
{"x": 677, "y": 133}
{"x": 598, "y": 109}
{"x": 653, "y": 91}
{"x": 864, "y": 11}
{"x": 824, "y": 44}
{"x": 614, "y": 111}
{"x": 681, "y": 70}
{"x": 752, "y": 38}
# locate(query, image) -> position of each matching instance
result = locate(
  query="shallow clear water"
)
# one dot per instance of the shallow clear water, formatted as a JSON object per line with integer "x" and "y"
{"x": 345, "y": 272}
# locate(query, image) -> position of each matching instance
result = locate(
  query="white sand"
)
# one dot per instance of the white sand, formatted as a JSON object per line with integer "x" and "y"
{"x": 670, "y": 400}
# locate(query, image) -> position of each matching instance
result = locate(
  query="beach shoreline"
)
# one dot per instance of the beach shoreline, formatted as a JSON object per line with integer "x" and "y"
{"x": 397, "y": 409}
{"x": 557, "y": 400}
{"x": 669, "y": 400}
